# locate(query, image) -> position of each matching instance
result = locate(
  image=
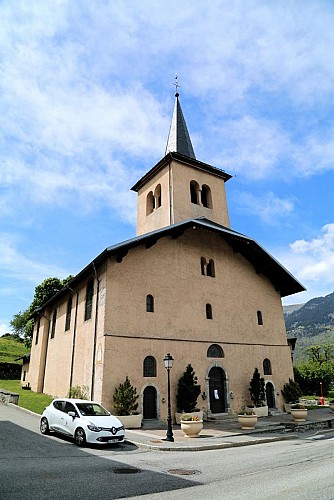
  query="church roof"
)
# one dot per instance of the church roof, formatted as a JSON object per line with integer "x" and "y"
{"x": 186, "y": 160}
{"x": 262, "y": 261}
{"x": 178, "y": 138}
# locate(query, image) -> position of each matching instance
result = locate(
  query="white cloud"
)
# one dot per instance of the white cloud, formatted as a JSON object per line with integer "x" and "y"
{"x": 15, "y": 265}
{"x": 268, "y": 207}
{"x": 312, "y": 262}
{"x": 4, "y": 329}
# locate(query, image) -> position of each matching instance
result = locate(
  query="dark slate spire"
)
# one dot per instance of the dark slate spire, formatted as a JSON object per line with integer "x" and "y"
{"x": 178, "y": 138}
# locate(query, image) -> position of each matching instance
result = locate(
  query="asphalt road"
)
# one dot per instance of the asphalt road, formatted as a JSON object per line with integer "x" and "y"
{"x": 33, "y": 466}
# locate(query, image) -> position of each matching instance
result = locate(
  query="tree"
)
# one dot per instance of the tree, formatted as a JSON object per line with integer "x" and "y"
{"x": 256, "y": 389}
{"x": 187, "y": 391}
{"x": 319, "y": 368}
{"x": 125, "y": 398}
{"x": 21, "y": 324}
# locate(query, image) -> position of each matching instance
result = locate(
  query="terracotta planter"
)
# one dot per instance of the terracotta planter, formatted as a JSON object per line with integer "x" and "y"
{"x": 178, "y": 416}
{"x": 131, "y": 421}
{"x": 191, "y": 428}
{"x": 247, "y": 422}
{"x": 299, "y": 414}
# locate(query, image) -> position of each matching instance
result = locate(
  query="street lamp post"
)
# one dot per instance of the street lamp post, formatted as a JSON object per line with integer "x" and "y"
{"x": 168, "y": 362}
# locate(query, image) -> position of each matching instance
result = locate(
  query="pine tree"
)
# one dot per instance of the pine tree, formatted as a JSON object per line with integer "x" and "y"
{"x": 256, "y": 389}
{"x": 125, "y": 398}
{"x": 187, "y": 391}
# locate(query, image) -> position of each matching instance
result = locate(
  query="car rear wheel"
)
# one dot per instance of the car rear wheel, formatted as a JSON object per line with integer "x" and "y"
{"x": 80, "y": 437}
{"x": 44, "y": 426}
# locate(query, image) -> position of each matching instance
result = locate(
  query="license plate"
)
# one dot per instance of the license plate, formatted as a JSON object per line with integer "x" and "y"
{"x": 112, "y": 440}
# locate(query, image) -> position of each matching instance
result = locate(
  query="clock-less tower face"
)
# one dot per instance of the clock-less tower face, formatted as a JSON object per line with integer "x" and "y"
{"x": 180, "y": 188}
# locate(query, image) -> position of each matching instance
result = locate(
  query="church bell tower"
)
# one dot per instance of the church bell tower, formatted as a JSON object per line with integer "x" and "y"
{"x": 179, "y": 186}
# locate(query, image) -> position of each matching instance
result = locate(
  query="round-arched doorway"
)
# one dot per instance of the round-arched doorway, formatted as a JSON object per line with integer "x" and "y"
{"x": 270, "y": 395}
{"x": 217, "y": 390}
{"x": 150, "y": 402}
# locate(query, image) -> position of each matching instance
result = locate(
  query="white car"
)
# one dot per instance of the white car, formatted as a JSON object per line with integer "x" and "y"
{"x": 85, "y": 421}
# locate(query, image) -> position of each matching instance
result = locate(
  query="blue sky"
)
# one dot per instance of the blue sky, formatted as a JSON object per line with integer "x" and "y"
{"x": 86, "y": 99}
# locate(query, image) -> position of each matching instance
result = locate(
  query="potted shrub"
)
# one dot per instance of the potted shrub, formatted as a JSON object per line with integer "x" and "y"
{"x": 257, "y": 395}
{"x": 191, "y": 425}
{"x": 125, "y": 404}
{"x": 299, "y": 412}
{"x": 247, "y": 419}
{"x": 186, "y": 396}
{"x": 291, "y": 393}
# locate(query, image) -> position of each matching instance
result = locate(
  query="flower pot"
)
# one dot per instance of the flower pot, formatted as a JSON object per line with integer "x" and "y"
{"x": 191, "y": 428}
{"x": 131, "y": 421}
{"x": 178, "y": 416}
{"x": 247, "y": 421}
{"x": 260, "y": 411}
{"x": 299, "y": 414}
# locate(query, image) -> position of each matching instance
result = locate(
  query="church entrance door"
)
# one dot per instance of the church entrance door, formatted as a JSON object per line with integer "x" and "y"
{"x": 270, "y": 395}
{"x": 150, "y": 402}
{"x": 217, "y": 390}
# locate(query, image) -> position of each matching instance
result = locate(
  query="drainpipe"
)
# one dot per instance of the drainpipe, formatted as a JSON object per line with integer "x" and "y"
{"x": 95, "y": 333}
{"x": 74, "y": 334}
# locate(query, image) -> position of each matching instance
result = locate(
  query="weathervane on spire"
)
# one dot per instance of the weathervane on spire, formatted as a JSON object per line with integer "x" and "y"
{"x": 176, "y": 83}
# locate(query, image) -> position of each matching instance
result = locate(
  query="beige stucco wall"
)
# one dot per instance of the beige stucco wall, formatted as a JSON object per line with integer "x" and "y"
{"x": 176, "y": 205}
{"x": 170, "y": 271}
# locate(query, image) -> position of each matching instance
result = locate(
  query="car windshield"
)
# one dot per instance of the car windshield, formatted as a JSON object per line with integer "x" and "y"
{"x": 92, "y": 410}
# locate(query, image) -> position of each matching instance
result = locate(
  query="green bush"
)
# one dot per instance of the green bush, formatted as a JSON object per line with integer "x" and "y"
{"x": 257, "y": 389}
{"x": 187, "y": 391}
{"x": 125, "y": 398}
{"x": 78, "y": 392}
{"x": 291, "y": 392}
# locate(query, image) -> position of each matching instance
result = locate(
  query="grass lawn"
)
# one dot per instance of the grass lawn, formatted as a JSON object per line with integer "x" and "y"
{"x": 10, "y": 349}
{"x": 30, "y": 400}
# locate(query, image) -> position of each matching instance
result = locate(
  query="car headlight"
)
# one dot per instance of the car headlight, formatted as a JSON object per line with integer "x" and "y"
{"x": 94, "y": 428}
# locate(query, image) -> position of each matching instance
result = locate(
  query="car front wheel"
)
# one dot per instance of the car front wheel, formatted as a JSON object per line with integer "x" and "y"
{"x": 44, "y": 426}
{"x": 80, "y": 437}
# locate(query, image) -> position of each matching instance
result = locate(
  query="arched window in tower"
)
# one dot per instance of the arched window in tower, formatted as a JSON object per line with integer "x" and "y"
{"x": 206, "y": 198}
{"x": 149, "y": 203}
{"x": 215, "y": 351}
{"x": 259, "y": 318}
{"x": 266, "y": 367}
{"x": 208, "y": 310}
{"x": 150, "y": 303}
{"x": 210, "y": 269}
{"x": 194, "y": 192}
{"x": 157, "y": 196}
{"x": 203, "y": 266}
{"x": 150, "y": 367}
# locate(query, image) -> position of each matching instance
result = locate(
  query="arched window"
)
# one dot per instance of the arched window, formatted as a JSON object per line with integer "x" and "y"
{"x": 149, "y": 203}
{"x": 150, "y": 367}
{"x": 210, "y": 269}
{"x": 266, "y": 367}
{"x": 157, "y": 196}
{"x": 206, "y": 198}
{"x": 53, "y": 326}
{"x": 89, "y": 299}
{"x": 68, "y": 314}
{"x": 150, "y": 303}
{"x": 194, "y": 192}
{"x": 215, "y": 351}
{"x": 203, "y": 266}
{"x": 259, "y": 318}
{"x": 208, "y": 310}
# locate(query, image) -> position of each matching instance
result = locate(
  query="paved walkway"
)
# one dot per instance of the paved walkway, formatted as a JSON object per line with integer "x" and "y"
{"x": 227, "y": 433}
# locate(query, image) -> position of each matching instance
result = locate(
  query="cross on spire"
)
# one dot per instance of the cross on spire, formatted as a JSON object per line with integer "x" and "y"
{"x": 176, "y": 83}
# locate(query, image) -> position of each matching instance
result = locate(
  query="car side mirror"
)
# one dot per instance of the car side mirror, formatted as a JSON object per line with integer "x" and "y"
{"x": 71, "y": 414}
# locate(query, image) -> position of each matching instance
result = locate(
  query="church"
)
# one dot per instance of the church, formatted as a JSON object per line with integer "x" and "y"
{"x": 187, "y": 284}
